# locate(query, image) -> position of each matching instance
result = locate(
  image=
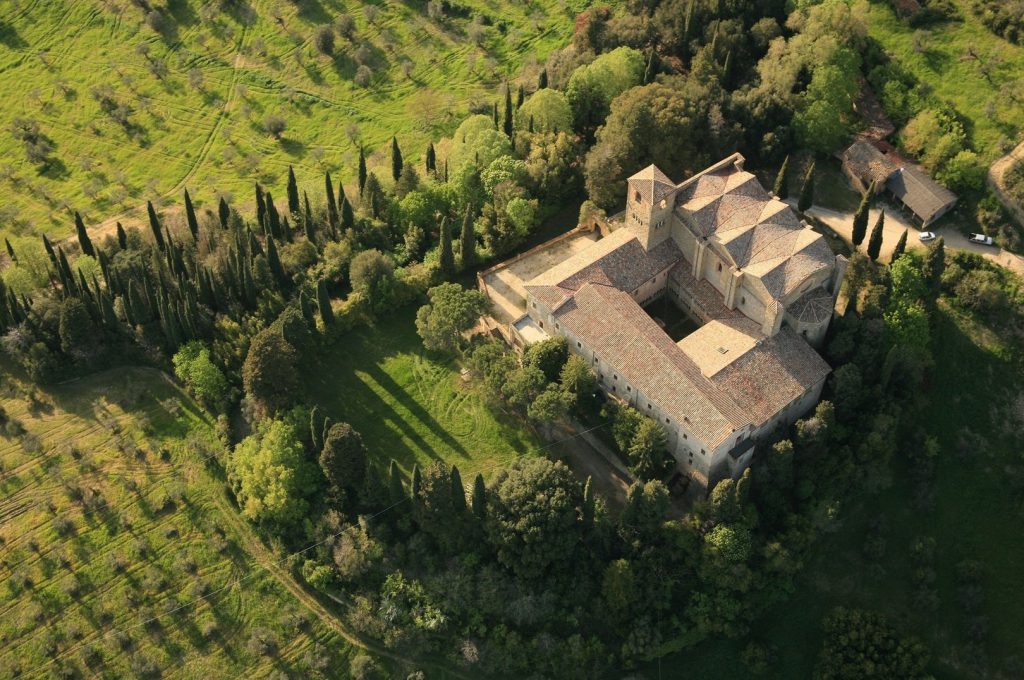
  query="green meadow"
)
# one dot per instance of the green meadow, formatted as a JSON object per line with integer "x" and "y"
{"x": 121, "y": 554}
{"x": 135, "y": 115}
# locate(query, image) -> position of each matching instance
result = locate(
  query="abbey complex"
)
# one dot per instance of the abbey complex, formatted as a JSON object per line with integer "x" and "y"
{"x": 757, "y": 283}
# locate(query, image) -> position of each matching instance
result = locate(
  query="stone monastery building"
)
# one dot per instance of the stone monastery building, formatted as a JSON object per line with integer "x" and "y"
{"x": 760, "y": 282}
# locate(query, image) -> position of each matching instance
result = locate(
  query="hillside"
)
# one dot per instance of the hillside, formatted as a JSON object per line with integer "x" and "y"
{"x": 119, "y": 551}
{"x": 962, "y": 62}
{"x": 131, "y": 114}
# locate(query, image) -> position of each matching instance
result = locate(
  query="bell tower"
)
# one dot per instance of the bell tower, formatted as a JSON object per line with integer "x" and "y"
{"x": 649, "y": 201}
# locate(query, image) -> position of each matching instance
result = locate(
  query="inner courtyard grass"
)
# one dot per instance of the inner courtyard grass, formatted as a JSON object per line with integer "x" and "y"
{"x": 410, "y": 405}
{"x": 121, "y": 553}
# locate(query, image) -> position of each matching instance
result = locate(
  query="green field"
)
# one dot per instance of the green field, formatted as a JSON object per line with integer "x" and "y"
{"x": 197, "y": 96}
{"x": 409, "y": 405}
{"x": 120, "y": 550}
{"x": 976, "y": 385}
{"x": 943, "y": 61}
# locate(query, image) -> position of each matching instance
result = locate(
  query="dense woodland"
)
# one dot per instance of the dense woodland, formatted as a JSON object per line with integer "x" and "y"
{"x": 527, "y": 574}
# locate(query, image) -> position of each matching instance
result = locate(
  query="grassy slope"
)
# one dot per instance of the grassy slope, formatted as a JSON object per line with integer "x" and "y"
{"x": 99, "y": 418}
{"x": 407, "y": 405}
{"x": 946, "y": 68}
{"x": 211, "y": 139}
{"x": 974, "y": 517}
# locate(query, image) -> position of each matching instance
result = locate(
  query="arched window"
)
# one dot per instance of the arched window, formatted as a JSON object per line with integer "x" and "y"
{"x": 719, "y": 266}
{"x": 743, "y": 300}
{"x": 637, "y": 198}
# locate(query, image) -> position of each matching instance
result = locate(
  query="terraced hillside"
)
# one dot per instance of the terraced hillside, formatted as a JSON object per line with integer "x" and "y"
{"x": 120, "y": 113}
{"x": 120, "y": 555}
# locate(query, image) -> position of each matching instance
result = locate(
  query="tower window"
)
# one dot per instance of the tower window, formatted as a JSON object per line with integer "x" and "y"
{"x": 637, "y": 197}
{"x": 743, "y": 300}
{"x": 719, "y": 266}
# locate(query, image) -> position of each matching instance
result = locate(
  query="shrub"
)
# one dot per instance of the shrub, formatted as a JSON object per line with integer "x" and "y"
{"x": 274, "y": 125}
{"x": 363, "y": 76}
{"x": 324, "y": 39}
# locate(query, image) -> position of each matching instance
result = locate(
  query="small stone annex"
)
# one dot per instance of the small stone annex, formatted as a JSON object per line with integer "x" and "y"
{"x": 760, "y": 284}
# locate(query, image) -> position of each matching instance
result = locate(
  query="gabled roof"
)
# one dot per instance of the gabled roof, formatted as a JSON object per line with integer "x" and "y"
{"x": 618, "y": 260}
{"x": 919, "y": 192}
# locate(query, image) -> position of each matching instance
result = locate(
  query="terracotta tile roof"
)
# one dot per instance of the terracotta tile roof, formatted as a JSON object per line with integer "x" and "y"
{"x": 814, "y": 306}
{"x": 766, "y": 379}
{"x": 867, "y": 162}
{"x": 762, "y": 235}
{"x": 615, "y": 327}
{"x": 618, "y": 260}
{"x": 652, "y": 184}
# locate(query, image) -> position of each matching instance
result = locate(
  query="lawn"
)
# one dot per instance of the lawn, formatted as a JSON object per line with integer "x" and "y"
{"x": 120, "y": 551}
{"x": 943, "y": 60}
{"x": 411, "y": 406}
{"x": 975, "y": 380}
{"x": 186, "y": 109}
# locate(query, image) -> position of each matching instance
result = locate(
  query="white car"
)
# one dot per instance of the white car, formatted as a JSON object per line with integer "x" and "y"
{"x": 926, "y": 236}
{"x": 982, "y": 239}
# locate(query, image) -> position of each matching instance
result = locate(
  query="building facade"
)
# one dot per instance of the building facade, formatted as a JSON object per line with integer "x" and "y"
{"x": 760, "y": 283}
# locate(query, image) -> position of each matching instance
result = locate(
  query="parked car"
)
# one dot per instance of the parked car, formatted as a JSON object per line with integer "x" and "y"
{"x": 926, "y": 236}
{"x": 982, "y": 239}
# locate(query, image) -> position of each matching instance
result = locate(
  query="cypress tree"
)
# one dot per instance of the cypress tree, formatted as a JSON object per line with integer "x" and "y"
{"x": 190, "y": 217}
{"x": 530, "y": 126}
{"x": 860, "y": 218}
{"x": 446, "y": 258}
{"x": 83, "y": 237}
{"x": 155, "y": 226}
{"x": 494, "y": 114}
{"x": 316, "y": 428}
{"x": 274, "y": 261}
{"x": 479, "y": 497}
{"x": 122, "y": 237}
{"x": 261, "y": 207}
{"x": 273, "y": 220}
{"x": 396, "y": 159}
{"x": 807, "y": 190}
{"x": 935, "y": 266}
{"x": 223, "y": 212}
{"x": 341, "y": 195}
{"x": 417, "y": 483}
{"x": 323, "y": 303}
{"x": 396, "y": 490}
{"x": 542, "y": 79}
{"x": 875, "y": 241}
{"x": 332, "y": 205}
{"x": 293, "y": 193}
{"x": 67, "y": 278}
{"x": 507, "y": 118}
{"x": 686, "y": 23}
{"x": 468, "y": 239}
{"x": 254, "y": 245}
{"x": 373, "y": 196}
{"x": 901, "y": 247}
{"x": 520, "y": 97}
{"x": 307, "y": 219}
{"x": 588, "y": 504}
{"x": 431, "y": 159}
{"x": 362, "y": 170}
{"x": 348, "y": 217}
{"x": 306, "y": 307}
{"x": 326, "y": 429}
{"x": 10, "y": 248}
{"x": 781, "y": 186}
{"x": 50, "y": 251}
{"x": 458, "y": 492}
{"x": 446, "y": 171}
